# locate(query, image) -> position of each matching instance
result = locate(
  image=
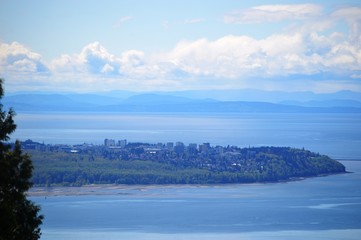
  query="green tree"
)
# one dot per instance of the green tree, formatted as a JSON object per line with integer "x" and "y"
{"x": 19, "y": 217}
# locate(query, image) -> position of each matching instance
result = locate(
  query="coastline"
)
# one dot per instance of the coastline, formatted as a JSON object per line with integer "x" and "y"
{"x": 113, "y": 189}
{"x": 130, "y": 189}
{"x": 124, "y": 189}
{"x": 250, "y": 208}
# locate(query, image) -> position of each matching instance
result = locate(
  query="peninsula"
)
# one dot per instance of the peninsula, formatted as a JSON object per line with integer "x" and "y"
{"x": 119, "y": 162}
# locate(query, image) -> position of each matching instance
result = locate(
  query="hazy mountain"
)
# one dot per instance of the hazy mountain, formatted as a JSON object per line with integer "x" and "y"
{"x": 43, "y": 102}
{"x": 252, "y": 95}
{"x": 120, "y": 94}
{"x": 187, "y": 101}
{"x": 227, "y": 107}
{"x": 326, "y": 103}
{"x": 95, "y": 99}
{"x": 151, "y": 98}
{"x": 266, "y": 96}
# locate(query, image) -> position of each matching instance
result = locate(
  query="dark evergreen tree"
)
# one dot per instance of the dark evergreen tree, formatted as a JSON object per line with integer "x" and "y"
{"x": 19, "y": 217}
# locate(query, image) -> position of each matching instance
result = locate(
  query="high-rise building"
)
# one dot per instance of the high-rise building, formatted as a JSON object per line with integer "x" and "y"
{"x": 122, "y": 143}
{"x": 179, "y": 147}
{"x": 170, "y": 146}
{"x": 109, "y": 142}
{"x": 192, "y": 148}
{"x": 204, "y": 148}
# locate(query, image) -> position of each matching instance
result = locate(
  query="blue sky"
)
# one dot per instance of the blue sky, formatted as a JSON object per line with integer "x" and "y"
{"x": 139, "y": 45}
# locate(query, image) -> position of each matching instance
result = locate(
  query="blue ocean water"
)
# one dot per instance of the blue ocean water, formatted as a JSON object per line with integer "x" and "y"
{"x": 315, "y": 208}
{"x": 336, "y": 135}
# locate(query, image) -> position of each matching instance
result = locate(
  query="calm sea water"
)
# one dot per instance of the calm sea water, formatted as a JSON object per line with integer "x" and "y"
{"x": 315, "y": 208}
{"x": 337, "y": 135}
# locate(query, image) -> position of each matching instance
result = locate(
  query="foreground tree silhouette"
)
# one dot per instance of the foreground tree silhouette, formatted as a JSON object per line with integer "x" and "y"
{"x": 19, "y": 217}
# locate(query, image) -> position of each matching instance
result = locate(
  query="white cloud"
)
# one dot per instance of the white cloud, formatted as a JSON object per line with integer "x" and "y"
{"x": 107, "y": 69}
{"x": 226, "y": 57}
{"x": 15, "y": 57}
{"x": 193, "y": 21}
{"x": 93, "y": 59}
{"x": 312, "y": 48}
{"x": 352, "y": 15}
{"x": 96, "y": 66}
{"x": 96, "y": 57}
{"x": 241, "y": 56}
{"x": 273, "y": 13}
{"x": 133, "y": 58}
{"x": 66, "y": 63}
{"x": 122, "y": 20}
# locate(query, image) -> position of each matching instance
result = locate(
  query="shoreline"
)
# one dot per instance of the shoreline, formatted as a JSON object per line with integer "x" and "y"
{"x": 131, "y": 189}
{"x": 109, "y": 189}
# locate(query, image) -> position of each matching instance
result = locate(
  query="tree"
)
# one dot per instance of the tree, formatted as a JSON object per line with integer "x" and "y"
{"x": 19, "y": 217}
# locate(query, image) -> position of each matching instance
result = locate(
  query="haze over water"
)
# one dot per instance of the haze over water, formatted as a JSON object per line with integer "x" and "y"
{"x": 337, "y": 135}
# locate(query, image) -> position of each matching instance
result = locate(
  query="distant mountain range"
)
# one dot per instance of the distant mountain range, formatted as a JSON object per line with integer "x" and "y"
{"x": 230, "y": 101}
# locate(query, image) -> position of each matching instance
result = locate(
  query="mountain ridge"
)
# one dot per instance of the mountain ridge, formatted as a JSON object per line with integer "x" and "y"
{"x": 155, "y": 102}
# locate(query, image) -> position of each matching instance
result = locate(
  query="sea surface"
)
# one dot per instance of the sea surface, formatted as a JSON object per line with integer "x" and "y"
{"x": 336, "y": 135}
{"x": 314, "y": 208}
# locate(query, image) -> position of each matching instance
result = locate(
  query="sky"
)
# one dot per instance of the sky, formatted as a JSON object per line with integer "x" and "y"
{"x": 161, "y": 45}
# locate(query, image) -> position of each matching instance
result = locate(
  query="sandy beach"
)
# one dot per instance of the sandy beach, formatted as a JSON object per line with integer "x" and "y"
{"x": 111, "y": 189}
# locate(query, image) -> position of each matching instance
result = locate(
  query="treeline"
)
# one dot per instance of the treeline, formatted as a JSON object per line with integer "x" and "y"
{"x": 241, "y": 165}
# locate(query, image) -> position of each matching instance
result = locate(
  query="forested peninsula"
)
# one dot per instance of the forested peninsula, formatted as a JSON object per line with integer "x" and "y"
{"x": 142, "y": 163}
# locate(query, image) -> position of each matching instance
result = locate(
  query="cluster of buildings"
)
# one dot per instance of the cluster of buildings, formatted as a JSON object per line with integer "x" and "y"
{"x": 111, "y": 143}
{"x": 31, "y": 145}
{"x": 196, "y": 155}
{"x": 177, "y": 147}
{"x": 123, "y": 145}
